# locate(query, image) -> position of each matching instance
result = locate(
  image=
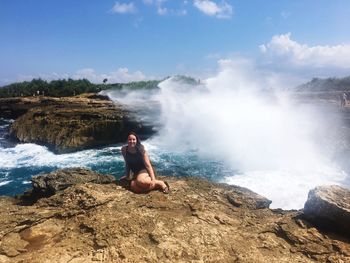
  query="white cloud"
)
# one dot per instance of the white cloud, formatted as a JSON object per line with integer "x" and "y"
{"x": 211, "y": 8}
{"x": 283, "y": 50}
{"x": 164, "y": 10}
{"x": 285, "y": 14}
{"x": 44, "y": 76}
{"x": 121, "y": 75}
{"x": 123, "y": 8}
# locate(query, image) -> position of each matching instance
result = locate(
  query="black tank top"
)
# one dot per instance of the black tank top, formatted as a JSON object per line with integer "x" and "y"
{"x": 134, "y": 161}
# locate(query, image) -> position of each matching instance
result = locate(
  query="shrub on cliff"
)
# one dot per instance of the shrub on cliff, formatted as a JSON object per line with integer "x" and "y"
{"x": 69, "y": 87}
{"x": 54, "y": 88}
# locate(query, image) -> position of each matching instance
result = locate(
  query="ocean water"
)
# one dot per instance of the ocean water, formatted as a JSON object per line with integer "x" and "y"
{"x": 227, "y": 129}
{"x": 19, "y": 162}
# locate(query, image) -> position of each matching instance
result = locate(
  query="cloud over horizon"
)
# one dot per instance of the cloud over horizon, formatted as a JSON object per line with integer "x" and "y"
{"x": 124, "y": 8}
{"x": 121, "y": 75}
{"x": 283, "y": 50}
{"x": 208, "y": 7}
{"x": 211, "y": 8}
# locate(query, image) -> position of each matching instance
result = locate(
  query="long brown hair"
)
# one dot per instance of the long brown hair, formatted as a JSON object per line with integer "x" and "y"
{"x": 139, "y": 147}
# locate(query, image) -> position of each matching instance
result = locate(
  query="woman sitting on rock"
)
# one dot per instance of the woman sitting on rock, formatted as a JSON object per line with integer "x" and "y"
{"x": 138, "y": 168}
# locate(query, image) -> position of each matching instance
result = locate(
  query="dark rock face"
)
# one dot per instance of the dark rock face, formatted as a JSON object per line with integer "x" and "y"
{"x": 196, "y": 222}
{"x": 50, "y": 184}
{"x": 329, "y": 207}
{"x": 240, "y": 198}
{"x": 72, "y": 123}
{"x": 12, "y": 108}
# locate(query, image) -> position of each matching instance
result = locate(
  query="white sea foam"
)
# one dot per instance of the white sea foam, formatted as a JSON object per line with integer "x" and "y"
{"x": 29, "y": 155}
{"x": 281, "y": 149}
{"x": 26, "y": 182}
{"x": 287, "y": 189}
{"x": 5, "y": 182}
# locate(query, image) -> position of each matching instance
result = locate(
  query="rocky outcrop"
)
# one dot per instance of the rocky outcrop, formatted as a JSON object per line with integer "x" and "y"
{"x": 329, "y": 208}
{"x": 74, "y": 123}
{"x": 198, "y": 221}
{"x": 12, "y": 108}
{"x": 50, "y": 184}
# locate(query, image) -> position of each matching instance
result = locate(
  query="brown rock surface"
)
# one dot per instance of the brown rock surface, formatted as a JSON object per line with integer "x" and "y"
{"x": 50, "y": 184}
{"x": 12, "y": 108}
{"x": 329, "y": 207}
{"x": 197, "y": 222}
{"x": 70, "y": 123}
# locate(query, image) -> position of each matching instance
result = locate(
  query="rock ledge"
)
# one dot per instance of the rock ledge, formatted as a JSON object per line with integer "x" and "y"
{"x": 198, "y": 222}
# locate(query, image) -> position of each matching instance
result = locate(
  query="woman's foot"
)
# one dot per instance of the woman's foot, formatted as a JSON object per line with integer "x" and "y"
{"x": 166, "y": 190}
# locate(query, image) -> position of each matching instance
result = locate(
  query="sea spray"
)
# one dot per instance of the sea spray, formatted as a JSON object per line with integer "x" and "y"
{"x": 235, "y": 127}
{"x": 278, "y": 148}
{"x": 240, "y": 128}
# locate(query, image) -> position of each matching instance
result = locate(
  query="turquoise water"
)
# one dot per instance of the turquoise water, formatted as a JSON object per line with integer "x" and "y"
{"x": 215, "y": 130}
{"x": 18, "y": 163}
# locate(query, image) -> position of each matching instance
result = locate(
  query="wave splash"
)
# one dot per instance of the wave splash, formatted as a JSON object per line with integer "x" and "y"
{"x": 278, "y": 148}
{"x": 31, "y": 155}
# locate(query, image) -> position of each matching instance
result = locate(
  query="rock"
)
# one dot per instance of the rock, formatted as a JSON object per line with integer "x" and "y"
{"x": 244, "y": 197}
{"x": 12, "y": 108}
{"x": 196, "y": 222}
{"x": 50, "y": 184}
{"x": 329, "y": 207}
{"x": 71, "y": 123}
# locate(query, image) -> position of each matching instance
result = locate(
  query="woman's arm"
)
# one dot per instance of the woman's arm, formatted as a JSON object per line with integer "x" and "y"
{"x": 148, "y": 166}
{"x": 127, "y": 168}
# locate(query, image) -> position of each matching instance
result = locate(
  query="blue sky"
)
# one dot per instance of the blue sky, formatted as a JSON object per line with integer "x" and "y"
{"x": 135, "y": 40}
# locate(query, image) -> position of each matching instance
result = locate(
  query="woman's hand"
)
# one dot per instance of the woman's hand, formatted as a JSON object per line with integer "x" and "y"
{"x": 152, "y": 183}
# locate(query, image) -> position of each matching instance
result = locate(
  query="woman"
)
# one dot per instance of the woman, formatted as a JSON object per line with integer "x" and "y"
{"x": 138, "y": 163}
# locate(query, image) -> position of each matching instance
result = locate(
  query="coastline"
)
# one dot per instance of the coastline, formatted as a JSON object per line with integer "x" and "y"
{"x": 199, "y": 221}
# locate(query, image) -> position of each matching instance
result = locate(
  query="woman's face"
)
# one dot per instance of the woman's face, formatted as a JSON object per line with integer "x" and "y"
{"x": 132, "y": 140}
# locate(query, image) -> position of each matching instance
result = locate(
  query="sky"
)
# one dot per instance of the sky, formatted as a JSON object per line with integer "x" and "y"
{"x": 130, "y": 40}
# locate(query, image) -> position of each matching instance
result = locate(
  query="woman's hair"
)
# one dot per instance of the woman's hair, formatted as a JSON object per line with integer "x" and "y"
{"x": 139, "y": 147}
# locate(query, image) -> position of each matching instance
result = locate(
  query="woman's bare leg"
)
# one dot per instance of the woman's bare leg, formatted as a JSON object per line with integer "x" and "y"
{"x": 143, "y": 180}
{"x": 136, "y": 188}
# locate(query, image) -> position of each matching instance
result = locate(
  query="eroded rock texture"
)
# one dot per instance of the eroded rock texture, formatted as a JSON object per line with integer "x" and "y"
{"x": 198, "y": 221}
{"x": 329, "y": 207}
{"x": 70, "y": 123}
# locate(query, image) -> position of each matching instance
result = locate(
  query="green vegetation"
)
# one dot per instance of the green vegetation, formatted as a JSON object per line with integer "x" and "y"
{"x": 329, "y": 84}
{"x": 187, "y": 80}
{"x": 136, "y": 85}
{"x": 69, "y": 87}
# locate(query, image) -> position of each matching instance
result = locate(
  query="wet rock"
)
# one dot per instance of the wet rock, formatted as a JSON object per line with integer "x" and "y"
{"x": 49, "y": 184}
{"x": 329, "y": 207}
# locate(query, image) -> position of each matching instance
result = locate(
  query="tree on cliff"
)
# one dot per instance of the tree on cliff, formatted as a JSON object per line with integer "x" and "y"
{"x": 54, "y": 88}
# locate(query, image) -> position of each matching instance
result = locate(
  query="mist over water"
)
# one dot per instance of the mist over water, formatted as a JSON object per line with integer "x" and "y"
{"x": 277, "y": 148}
{"x": 241, "y": 118}
{"x": 237, "y": 127}
{"x": 142, "y": 103}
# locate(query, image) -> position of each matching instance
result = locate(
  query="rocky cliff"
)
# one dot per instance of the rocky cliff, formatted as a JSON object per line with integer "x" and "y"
{"x": 70, "y": 123}
{"x": 198, "y": 221}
